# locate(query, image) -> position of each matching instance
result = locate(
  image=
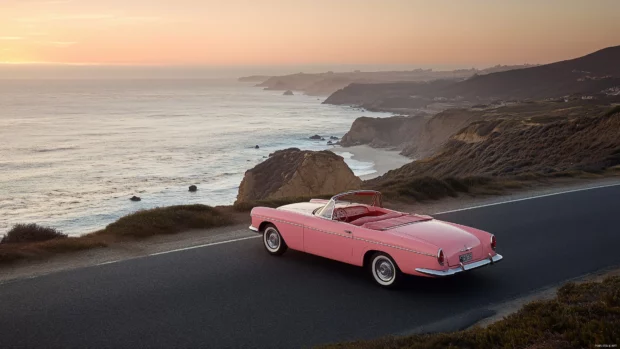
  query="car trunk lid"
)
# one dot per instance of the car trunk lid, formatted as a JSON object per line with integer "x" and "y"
{"x": 454, "y": 241}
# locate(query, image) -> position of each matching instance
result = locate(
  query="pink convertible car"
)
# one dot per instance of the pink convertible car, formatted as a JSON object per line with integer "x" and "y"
{"x": 389, "y": 243}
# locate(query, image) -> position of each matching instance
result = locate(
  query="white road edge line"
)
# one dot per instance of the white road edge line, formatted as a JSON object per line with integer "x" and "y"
{"x": 110, "y": 262}
{"x": 528, "y": 198}
{"x": 257, "y": 236}
{"x": 204, "y": 245}
{"x": 437, "y": 213}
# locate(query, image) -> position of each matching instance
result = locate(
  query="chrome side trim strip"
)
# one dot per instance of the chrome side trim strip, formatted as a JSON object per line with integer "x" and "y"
{"x": 254, "y": 229}
{"x": 329, "y": 232}
{"x": 396, "y": 247}
{"x": 277, "y": 220}
{"x": 462, "y": 267}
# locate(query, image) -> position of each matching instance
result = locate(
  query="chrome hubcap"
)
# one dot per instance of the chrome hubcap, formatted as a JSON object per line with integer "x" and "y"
{"x": 272, "y": 240}
{"x": 384, "y": 270}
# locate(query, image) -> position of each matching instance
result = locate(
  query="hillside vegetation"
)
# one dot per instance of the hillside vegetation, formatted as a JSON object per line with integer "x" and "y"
{"x": 588, "y": 75}
{"x": 539, "y": 140}
{"x": 581, "y": 316}
{"x": 33, "y": 241}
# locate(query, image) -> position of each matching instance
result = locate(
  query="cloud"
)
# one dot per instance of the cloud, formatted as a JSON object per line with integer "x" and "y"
{"x": 61, "y": 17}
{"x": 59, "y": 44}
{"x": 138, "y": 19}
{"x": 11, "y": 38}
{"x": 40, "y": 2}
{"x": 62, "y": 43}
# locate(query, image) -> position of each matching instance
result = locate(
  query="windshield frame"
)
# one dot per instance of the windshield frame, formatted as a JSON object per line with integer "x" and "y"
{"x": 327, "y": 211}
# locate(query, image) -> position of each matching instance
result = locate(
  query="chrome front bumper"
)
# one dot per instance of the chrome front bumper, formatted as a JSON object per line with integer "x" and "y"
{"x": 254, "y": 229}
{"x": 462, "y": 267}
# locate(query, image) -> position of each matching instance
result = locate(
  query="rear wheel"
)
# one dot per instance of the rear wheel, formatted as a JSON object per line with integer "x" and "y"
{"x": 384, "y": 270}
{"x": 274, "y": 244}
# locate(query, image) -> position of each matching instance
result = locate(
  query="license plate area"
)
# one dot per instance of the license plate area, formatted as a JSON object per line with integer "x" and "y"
{"x": 464, "y": 258}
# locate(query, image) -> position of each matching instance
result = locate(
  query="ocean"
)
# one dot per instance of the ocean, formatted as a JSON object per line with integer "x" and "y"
{"x": 72, "y": 152}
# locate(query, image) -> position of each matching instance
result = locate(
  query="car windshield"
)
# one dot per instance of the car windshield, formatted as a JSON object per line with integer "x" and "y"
{"x": 327, "y": 210}
{"x": 370, "y": 198}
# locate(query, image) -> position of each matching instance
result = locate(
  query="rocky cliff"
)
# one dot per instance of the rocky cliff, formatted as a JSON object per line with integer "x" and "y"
{"x": 540, "y": 139}
{"x": 295, "y": 173}
{"x": 392, "y": 132}
{"x": 437, "y": 130}
{"x": 417, "y": 136}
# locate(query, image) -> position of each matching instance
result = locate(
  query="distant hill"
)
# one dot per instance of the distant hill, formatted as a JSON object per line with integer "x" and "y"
{"x": 324, "y": 84}
{"x": 587, "y": 75}
{"x": 254, "y": 78}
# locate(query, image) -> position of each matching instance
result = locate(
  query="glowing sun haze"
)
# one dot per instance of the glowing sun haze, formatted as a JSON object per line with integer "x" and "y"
{"x": 271, "y": 32}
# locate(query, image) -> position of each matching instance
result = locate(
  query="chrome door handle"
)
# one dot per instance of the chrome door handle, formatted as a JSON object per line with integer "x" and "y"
{"x": 347, "y": 231}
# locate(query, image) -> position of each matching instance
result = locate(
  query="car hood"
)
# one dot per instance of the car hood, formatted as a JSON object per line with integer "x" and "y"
{"x": 453, "y": 240}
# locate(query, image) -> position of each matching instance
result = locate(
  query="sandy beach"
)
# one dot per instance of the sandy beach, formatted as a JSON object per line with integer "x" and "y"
{"x": 384, "y": 160}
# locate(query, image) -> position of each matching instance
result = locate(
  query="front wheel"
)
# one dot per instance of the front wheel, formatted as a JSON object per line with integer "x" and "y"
{"x": 274, "y": 244}
{"x": 384, "y": 270}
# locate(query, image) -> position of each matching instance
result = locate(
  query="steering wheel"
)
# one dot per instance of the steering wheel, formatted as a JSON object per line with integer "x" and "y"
{"x": 341, "y": 215}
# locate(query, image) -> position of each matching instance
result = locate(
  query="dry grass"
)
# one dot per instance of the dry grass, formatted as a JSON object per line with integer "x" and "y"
{"x": 581, "y": 316}
{"x": 427, "y": 188}
{"x": 141, "y": 224}
{"x": 36, "y": 250}
{"x": 31, "y": 233}
{"x": 166, "y": 220}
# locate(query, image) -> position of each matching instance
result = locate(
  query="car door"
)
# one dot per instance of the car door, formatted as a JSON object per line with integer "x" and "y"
{"x": 329, "y": 238}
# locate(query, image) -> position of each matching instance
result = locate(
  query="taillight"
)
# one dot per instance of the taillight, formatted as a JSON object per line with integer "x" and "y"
{"x": 493, "y": 242}
{"x": 440, "y": 257}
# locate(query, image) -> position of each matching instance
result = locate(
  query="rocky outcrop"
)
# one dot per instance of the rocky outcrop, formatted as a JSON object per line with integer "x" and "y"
{"x": 316, "y": 137}
{"x": 193, "y": 188}
{"x": 296, "y": 173}
{"x": 392, "y": 132}
{"x": 135, "y": 198}
{"x": 438, "y": 130}
{"x": 288, "y": 93}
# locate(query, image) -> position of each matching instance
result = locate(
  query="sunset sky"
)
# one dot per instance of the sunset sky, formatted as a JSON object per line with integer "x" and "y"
{"x": 273, "y": 32}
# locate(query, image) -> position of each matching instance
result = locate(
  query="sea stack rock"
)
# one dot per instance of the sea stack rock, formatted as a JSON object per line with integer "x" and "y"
{"x": 288, "y": 93}
{"x": 193, "y": 188}
{"x": 296, "y": 173}
{"x": 135, "y": 198}
{"x": 317, "y": 137}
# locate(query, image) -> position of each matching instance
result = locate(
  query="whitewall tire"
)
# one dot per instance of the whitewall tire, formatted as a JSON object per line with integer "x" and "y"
{"x": 384, "y": 270}
{"x": 273, "y": 241}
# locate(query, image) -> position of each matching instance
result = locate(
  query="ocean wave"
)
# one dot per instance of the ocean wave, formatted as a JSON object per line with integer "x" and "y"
{"x": 47, "y": 150}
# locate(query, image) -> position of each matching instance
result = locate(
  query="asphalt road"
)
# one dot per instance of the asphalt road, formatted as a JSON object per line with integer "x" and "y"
{"x": 235, "y": 295}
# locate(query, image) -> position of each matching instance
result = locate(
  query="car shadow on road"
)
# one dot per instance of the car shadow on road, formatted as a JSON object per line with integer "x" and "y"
{"x": 471, "y": 283}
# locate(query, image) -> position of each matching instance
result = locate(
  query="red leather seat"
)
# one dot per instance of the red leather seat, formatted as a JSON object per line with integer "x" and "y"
{"x": 367, "y": 219}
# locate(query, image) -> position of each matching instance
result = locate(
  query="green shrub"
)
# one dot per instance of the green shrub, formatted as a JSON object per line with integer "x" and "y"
{"x": 612, "y": 111}
{"x": 21, "y": 233}
{"x": 167, "y": 220}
